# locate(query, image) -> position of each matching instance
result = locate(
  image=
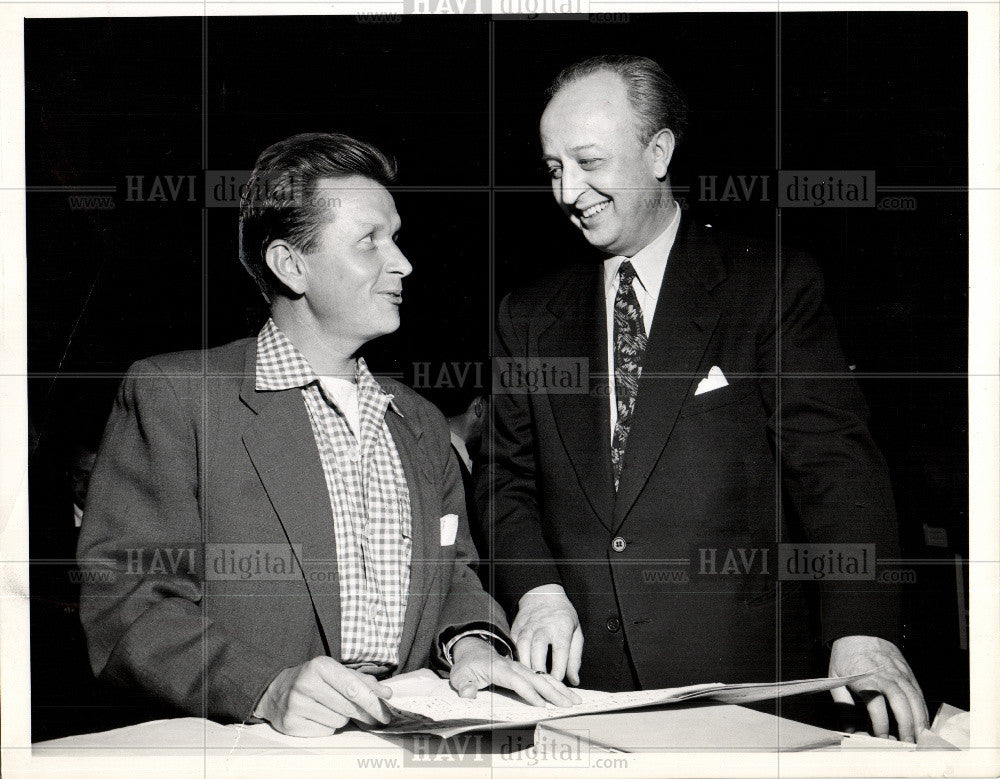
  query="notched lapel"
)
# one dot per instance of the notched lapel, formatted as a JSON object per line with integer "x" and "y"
{"x": 282, "y": 448}
{"x": 686, "y": 316}
{"x": 582, "y": 418}
{"x": 424, "y": 535}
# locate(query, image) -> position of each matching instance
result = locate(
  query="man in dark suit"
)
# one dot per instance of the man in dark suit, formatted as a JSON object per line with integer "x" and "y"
{"x": 284, "y": 529}
{"x": 635, "y": 517}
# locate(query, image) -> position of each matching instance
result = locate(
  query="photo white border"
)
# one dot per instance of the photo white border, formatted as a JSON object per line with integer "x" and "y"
{"x": 982, "y": 759}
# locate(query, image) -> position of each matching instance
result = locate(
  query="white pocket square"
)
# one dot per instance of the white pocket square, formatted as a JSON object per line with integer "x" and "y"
{"x": 715, "y": 380}
{"x": 449, "y": 529}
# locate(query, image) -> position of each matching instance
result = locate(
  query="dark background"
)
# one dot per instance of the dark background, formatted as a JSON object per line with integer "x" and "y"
{"x": 108, "y": 99}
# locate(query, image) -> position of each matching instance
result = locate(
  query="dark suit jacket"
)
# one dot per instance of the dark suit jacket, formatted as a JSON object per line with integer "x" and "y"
{"x": 479, "y": 538}
{"x": 194, "y": 455}
{"x": 702, "y": 472}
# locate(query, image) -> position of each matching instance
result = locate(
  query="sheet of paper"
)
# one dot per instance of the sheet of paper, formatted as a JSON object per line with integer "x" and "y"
{"x": 751, "y": 693}
{"x": 951, "y": 725}
{"x": 503, "y": 707}
{"x": 438, "y": 708}
{"x": 691, "y": 726}
{"x": 180, "y": 736}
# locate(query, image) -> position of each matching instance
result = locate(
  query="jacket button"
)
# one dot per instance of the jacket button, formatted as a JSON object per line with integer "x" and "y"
{"x": 613, "y": 624}
{"x": 618, "y": 544}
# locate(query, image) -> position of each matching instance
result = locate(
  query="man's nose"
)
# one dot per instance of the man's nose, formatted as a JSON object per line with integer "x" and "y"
{"x": 398, "y": 262}
{"x": 571, "y": 186}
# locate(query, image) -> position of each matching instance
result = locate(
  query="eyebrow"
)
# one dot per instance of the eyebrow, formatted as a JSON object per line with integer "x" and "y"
{"x": 394, "y": 227}
{"x": 579, "y": 148}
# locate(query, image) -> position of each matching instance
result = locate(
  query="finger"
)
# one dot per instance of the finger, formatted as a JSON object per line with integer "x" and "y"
{"x": 524, "y": 688}
{"x": 540, "y": 651}
{"x": 908, "y": 683}
{"x": 517, "y": 681}
{"x": 523, "y": 646}
{"x": 337, "y": 675}
{"x": 366, "y": 701}
{"x": 877, "y": 713}
{"x": 900, "y": 705}
{"x": 303, "y": 727}
{"x": 462, "y": 678}
{"x": 324, "y": 704}
{"x": 846, "y": 710}
{"x": 554, "y": 691}
{"x": 338, "y": 704}
{"x": 906, "y": 721}
{"x": 468, "y": 691}
{"x": 918, "y": 707}
{"x": 560, "y": 659}
{"x": 323, "y": 715}
{"x": 383, "y": 691}
{"x": 842, "y": 695}
{"x": 380, "y": 690}
{"x": 356, "y": 689}
{"x": 575, "y": 658}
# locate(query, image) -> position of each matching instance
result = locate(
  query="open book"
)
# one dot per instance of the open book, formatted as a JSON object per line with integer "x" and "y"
{"x": 425, "y": 703}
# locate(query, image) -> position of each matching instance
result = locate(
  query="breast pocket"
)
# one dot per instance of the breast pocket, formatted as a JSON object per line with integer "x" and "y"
{"x": 724, "y": 396}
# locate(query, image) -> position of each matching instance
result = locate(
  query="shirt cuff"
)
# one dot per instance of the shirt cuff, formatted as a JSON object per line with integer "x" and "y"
{"x": 498, "y": 642}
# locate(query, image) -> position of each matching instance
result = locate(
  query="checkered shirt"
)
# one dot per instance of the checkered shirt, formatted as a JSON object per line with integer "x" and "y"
{"x": 368, "y": 495}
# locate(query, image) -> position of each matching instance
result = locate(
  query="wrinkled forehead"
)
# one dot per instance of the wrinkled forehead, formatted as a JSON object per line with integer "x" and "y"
{"x": 354, "y": 199}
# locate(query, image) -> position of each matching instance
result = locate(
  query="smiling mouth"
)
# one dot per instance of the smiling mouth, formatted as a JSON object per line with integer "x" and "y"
{"x": 594, "y": 210}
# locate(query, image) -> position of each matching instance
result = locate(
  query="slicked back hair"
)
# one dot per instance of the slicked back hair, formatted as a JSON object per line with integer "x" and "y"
{"x": 657, "y": 101}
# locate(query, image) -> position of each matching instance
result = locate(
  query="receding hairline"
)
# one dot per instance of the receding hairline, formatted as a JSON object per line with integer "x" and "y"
{"x": 656, "y": 101}
{"x": 604, "y": 71}
{"x": 632, "y": 116}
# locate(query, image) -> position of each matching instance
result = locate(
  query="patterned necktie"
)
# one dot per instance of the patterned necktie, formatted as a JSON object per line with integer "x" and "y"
{"x": 630, "y": 343}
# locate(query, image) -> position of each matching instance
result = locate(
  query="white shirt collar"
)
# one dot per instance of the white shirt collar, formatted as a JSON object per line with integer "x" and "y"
{"x": 463, "y": 451}
{"x": 649, "y": 262}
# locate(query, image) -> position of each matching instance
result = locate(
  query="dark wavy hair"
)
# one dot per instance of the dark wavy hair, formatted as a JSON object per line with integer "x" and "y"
{"x": 279, "y": 201}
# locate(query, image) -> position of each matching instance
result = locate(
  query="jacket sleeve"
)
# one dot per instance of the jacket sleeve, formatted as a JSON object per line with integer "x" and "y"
{"x": 832, "y": 471}
{"x": 141, "y": 546}
{"x": 507, "y": 485}
{"x": 467, "y": 606}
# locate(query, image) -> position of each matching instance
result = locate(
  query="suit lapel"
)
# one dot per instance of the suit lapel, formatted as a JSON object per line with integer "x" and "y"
{"x": 282, "y": 447}
{"x": 583, "y": 418}
{"x": 424, "y": 539}
{"x": 686, "y": 315}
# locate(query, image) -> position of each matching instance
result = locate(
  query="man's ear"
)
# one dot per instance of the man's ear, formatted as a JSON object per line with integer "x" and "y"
{"x": 286, "y": 263}
{"x": 661, "y": 147}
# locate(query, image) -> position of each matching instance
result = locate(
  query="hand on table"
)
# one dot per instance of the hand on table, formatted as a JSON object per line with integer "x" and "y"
{"x": 546, "y": 618}
{"x": 320, "y": 696}
{"x": 895, "y": 682}
{"x": 476, "y": 665}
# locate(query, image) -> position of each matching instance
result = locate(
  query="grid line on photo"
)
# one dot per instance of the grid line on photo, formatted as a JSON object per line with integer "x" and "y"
{"x": 778, "y": 491}
{"x": 491, "y": 293}
{"x": 204, "y": 508}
